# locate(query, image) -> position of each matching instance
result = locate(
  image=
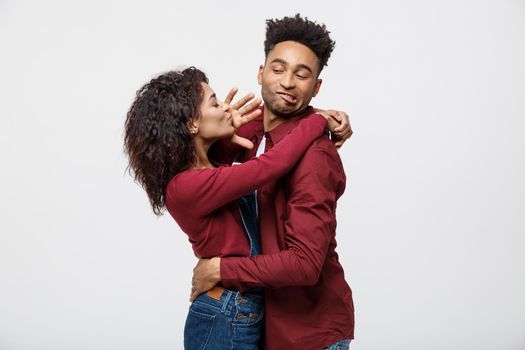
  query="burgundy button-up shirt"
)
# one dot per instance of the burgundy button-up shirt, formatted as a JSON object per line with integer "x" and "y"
{"x": 308, "y": 303}
{"x": 202, "y": 201}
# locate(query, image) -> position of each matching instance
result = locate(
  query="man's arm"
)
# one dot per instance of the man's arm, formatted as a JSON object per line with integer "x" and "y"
{"x": 316, "y": 183}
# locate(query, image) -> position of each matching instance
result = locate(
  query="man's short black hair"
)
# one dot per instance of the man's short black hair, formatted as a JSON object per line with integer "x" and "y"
{"x": 311, "y": 34}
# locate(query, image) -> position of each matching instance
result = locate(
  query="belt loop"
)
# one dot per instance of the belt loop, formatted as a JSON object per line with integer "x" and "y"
{"x": 227, "y": 298}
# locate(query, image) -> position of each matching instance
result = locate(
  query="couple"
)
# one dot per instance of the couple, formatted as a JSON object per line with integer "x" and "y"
{"x": 265, "y": 229}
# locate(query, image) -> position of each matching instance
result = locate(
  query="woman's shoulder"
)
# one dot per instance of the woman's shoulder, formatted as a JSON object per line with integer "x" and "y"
{"x": 184, "y": 178}
{"x": 181, "y": 187}
{"x": 187, "y": 181}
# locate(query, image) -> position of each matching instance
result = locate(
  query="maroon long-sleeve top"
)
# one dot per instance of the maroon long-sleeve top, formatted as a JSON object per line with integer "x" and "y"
{"x": 308, "y": 303}
{"x": 202, "y": 201}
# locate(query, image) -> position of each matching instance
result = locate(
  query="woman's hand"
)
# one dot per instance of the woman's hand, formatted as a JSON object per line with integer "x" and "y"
{"x": 338, "y": 125}
{"x": 243, "y": 112}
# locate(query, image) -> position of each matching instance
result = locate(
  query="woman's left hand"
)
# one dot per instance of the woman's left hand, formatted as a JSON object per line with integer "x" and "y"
{"x": 243, "y": 112}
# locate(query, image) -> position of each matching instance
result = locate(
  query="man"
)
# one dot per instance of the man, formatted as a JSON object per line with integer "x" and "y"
{"x": 308, "y": 304}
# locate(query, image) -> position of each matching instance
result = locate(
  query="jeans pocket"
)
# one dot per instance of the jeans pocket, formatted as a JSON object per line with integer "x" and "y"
{"x": 197, "y": 330}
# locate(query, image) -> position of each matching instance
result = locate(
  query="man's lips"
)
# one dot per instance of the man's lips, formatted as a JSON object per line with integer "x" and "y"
{"x": 289, "y": 98}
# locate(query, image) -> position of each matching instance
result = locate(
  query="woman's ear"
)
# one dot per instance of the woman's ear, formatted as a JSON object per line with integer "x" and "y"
{"x": 193, "y": 126}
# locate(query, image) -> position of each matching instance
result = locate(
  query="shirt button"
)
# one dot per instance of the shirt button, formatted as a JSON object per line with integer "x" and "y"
{"x": 240, "y": 316}
{"x": 241, "y": 299}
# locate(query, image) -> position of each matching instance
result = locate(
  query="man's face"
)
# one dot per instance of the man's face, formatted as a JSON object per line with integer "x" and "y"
{"x": 289, "y": 78}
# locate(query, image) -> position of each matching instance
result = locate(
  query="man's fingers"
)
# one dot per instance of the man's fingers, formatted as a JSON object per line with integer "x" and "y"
{"x": 191, "y": 293}
{"x": 194, "y": 295}
{"x": 231, "y": 95}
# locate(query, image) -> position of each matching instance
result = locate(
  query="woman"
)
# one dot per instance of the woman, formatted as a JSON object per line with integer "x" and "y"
{"x": 170, "y": 127}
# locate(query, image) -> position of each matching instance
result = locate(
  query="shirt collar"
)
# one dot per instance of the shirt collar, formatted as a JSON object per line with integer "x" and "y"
{"x": 283, "y": 129}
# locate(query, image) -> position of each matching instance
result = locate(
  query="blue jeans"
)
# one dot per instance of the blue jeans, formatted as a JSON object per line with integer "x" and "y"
{"x": 340, "y": 345}
{"x": 234, "y": 322}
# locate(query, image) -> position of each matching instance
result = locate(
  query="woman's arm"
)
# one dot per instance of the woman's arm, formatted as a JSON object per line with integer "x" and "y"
{"x": 201, "y": 191}
{"x": 314, "y": 185}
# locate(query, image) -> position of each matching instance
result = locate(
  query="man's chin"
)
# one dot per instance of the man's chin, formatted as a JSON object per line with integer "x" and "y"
{"x": 286, "y": 112}
{"x": 289, "y": 113}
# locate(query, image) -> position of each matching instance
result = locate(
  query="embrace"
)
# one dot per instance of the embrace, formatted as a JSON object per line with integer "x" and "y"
{"x": 268, "y": 276}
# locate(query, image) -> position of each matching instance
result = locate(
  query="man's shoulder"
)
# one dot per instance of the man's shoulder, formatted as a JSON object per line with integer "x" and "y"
{"x": 320, "y": 158}
{"x": 322, "y": 146}
{"x": 320, "y": 169}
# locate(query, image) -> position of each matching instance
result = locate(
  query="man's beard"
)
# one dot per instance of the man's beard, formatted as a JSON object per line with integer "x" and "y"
{"x": 270, "y": 102}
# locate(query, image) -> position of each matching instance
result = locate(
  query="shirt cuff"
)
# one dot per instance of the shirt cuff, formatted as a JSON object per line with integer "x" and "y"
{"x": 229, "y": 272}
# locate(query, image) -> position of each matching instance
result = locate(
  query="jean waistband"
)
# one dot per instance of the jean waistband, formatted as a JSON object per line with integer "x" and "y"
{"x": 223, "y": 299}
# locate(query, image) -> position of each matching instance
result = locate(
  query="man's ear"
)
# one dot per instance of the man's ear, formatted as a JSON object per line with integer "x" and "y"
{"x": 193, "y": 126}
{"x": 317, "y": 86}
{"x": 260, "y": 74}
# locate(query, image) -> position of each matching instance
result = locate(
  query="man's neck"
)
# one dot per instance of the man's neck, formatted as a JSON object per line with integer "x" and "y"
{"x": 271, "y": 121}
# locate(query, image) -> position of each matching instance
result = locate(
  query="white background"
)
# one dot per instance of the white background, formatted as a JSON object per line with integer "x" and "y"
{"x": 431, "y": 227}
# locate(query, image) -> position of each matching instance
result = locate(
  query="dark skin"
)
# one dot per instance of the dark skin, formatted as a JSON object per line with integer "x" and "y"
{"x": 338, "y": 123}
{"x": 289, "y": 80}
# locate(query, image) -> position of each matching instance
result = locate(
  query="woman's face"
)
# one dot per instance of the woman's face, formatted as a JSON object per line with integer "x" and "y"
{"x": 215, "y": 121}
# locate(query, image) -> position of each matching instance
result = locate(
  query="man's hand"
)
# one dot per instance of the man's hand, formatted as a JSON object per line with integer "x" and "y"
{"x": 206, "y": 274}
{"x": 243, "y": 112}
{"x": 338, "y": 125}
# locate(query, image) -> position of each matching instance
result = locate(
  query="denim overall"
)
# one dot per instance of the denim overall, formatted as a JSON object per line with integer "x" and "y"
{"x": 235, "y": 322}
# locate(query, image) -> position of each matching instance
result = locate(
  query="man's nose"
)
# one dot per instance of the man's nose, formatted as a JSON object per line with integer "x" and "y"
{"x": 287, "y": 81}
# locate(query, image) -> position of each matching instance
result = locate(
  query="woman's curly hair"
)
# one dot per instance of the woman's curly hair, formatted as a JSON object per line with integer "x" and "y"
{"x": 311, "y": 34}
{"x": 157, "y": 139}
